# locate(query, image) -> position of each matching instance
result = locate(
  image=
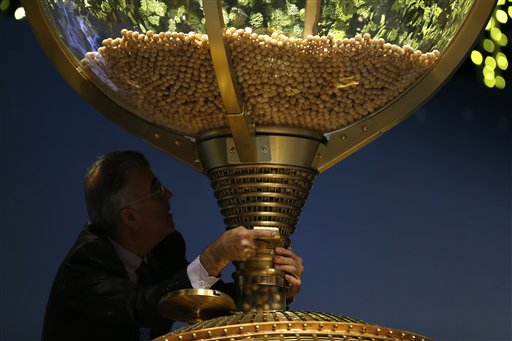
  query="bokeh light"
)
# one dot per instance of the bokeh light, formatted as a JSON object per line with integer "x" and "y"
{"x": 19, "y": 13}
{"x": 490, "y": 54}
{"x": 476, "y": 57}
{"x": 488, "y": 45}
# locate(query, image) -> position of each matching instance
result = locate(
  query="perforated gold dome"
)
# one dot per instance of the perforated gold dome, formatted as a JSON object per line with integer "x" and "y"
{"x": 287, "y": 325}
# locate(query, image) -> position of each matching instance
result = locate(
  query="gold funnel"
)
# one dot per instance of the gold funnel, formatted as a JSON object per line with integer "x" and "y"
{"x": 261, "y": 96}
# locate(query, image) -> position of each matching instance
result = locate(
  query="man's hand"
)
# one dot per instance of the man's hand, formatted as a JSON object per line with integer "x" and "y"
{"x": 235, "y": 244}
{"x": 288, "y": 261}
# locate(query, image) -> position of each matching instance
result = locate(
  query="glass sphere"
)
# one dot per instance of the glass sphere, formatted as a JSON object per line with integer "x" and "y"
{"x": 311, "y": 65}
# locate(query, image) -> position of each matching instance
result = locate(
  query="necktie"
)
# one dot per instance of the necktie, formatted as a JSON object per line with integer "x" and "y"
{"x": 144, "y": 281}
{"x": 144, "y": 275}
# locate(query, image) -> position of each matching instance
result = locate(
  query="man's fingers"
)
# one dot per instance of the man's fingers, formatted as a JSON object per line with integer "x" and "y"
{"x": 263, "y": 233}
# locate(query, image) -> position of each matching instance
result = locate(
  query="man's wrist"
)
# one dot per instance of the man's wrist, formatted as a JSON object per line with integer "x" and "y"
{"x": 199, "y": 277}
{"x": 212, "y": 261}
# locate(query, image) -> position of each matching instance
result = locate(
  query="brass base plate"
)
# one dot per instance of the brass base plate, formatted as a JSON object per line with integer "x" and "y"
{"x": 195, "y": 305}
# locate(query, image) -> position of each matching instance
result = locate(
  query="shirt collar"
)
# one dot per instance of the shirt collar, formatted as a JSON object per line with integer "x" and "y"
{"x": 130, "y": 260}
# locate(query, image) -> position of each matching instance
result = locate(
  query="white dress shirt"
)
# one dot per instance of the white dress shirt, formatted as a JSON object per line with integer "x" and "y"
{"x": 198, "y": 276}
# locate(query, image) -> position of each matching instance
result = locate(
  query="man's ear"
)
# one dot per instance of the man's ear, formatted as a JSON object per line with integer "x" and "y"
{"x": 127, "y": 217}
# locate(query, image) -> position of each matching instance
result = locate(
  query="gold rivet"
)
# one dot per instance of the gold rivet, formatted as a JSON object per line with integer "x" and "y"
{"x": 180, "y": 337}
{"x": 232, "y": 150}
{"x": 274, "y": 326}
{"x": 194, "y": 335}
{"x": 264, "y": 149}
{"x": 257, "y": 328}
{"x": 156, "y": 136}
{"x": 240, "y": 329}
{"x": 365, "y": 128}
{"x": 177, "y": 143}
{"x": 289, "y": 326}
{"x": 335, "y": 326}
{"x": 343, "y": 137}
{"x": 350, "y": 326}
{"x": 390, "y": 332}
{"x": 209, "y": 333}
{"x": 304, "y": 326}
{"x": 225, "y": 331}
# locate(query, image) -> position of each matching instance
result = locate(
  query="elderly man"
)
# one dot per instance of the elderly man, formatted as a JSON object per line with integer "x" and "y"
{"x": 99, "y": 292}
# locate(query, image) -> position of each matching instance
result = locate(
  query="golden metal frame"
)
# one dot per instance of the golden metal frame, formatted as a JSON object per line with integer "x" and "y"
{"x": 237, "y": 119}
{"x": 348, "y": 140}
{"x": 287, "y": 325}
{"x": 337, "y": 146}
{"x": 311, "y": 17}
{"x": 180, "y": 147}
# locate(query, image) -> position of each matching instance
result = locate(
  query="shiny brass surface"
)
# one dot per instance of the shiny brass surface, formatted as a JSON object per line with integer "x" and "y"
{"x": 288, "y": 325}
{"x": 243, "y": 136}
{"x": 259, "y": 285}
{"x": 221, "y": 59}
{"x": 267, "y": 195}
{"x": 195, "y": 305}
{"x": 311, "y": 17}
{"x": 273, "y": 149}
{"x": 237, "y": 119}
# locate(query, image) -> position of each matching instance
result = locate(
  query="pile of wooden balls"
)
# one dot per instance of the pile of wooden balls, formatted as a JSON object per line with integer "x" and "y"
{"x": 262, "y": 297}
{"x": 318, "y": 83}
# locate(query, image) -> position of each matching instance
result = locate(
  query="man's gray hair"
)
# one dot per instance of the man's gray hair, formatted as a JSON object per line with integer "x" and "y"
{"x": 106, "y": 192}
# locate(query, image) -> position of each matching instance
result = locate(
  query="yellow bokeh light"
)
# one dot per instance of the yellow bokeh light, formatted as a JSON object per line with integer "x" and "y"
{"x": 501, "y": 16}
{"x": 501, "y": 61}
{"x": 500, "y": 83}
{"x": 488, "y": 45}
{"x": 490, "y": 24}
{"x": 490, "y": 62}
{"x": 509, "y": 11}
{"x": 490, "y": 82}
{"x": 488, "y": 72}
{"x": 19, "y": 13}
{"x": 476, "y": 57}
{"x": 496, "y": 33}
{"x": 503, "y": 40}
{"x": 501, "y": 2}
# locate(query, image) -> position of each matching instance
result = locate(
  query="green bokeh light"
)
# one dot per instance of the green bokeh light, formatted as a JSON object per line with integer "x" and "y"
{"x": 500, "y": 83}
{"x": 490, "y": 82}
{"x": 501, "y": 61}
{"x": 488, "y": 45}
{"x": 4, "y": 5}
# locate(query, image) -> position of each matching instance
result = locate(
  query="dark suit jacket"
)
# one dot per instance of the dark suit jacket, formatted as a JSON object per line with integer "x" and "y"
{"x": 92, "y": 297}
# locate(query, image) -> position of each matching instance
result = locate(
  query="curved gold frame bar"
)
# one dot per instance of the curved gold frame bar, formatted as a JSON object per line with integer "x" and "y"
{"x": 311, "y": 18}
{"x": 237, "y": 119}
{"x": 180, "y": 147}
{"x": 338, "y": 144}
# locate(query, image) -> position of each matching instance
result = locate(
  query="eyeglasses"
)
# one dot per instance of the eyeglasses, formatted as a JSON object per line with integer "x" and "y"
{"x": 158, "y": 189}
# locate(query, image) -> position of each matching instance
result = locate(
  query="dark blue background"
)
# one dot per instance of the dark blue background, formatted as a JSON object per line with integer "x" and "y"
{"x": 411, "y": 232}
